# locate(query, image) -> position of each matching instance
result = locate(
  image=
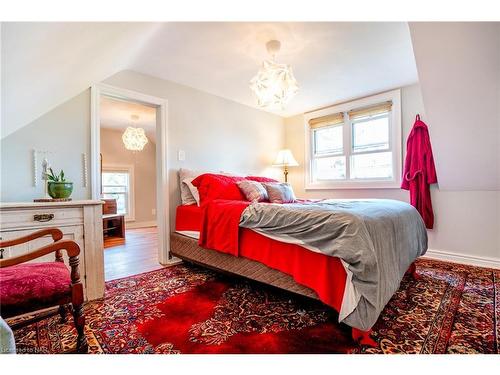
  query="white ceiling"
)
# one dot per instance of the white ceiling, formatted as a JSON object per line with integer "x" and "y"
{"x": 331, "y": 61}
{"x": 46, "y": 64}
{"x": 116, "y": 114}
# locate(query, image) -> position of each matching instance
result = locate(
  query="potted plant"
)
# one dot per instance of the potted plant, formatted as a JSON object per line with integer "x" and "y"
{"x": 57, "y": 186}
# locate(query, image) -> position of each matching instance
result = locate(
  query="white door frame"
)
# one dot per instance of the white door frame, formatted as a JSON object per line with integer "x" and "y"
{"x": 162, "y": 201}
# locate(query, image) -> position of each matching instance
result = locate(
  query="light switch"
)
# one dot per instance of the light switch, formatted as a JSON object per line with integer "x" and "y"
{"x": 181, "y": 155}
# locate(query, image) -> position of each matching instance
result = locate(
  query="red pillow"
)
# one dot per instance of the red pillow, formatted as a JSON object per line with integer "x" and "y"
{"x": 260, "y": 179}
{"x": 215, "y": 186}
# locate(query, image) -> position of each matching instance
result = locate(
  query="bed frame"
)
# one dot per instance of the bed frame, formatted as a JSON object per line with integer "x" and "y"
{"x": 187, "y": 249}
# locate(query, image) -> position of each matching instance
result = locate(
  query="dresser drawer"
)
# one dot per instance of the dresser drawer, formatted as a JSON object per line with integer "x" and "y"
{"x": 40, "y": 218}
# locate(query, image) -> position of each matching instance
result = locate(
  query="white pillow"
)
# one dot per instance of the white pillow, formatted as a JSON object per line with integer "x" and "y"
{"x": 186, "y": 195}
{"x": 195, "y": 195}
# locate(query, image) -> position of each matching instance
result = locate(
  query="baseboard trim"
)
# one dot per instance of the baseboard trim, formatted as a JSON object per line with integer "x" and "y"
{"x": 463, "y": 258}
{"x": 140, "y": 224}
{"x": 172, "y": 262}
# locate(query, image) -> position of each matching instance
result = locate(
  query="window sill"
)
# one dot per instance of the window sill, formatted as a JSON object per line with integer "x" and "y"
{"x": 354, "y": 185}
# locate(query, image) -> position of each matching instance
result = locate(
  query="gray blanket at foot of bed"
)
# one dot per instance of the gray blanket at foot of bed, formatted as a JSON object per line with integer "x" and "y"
{"x": 378, "y": 239}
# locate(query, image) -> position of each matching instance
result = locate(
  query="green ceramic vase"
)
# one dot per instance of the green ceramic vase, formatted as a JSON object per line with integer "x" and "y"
{"x": 58, "y": 190}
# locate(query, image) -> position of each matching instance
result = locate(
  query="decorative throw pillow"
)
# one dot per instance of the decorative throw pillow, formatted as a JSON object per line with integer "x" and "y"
{"x": 254, "y": 191}
{"x": 216, "y": 186}
{"x": 194, "y": 191}
{"x": 186, "y": 195}
{"x": 279, "y": 192}
{"x": 260, "y": 179}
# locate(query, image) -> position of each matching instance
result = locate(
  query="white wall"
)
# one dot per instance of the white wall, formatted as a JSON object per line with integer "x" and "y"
{"x": 114, "y": 153}
{"x": 466, "y": 222}
{"x": 459, "y": 72}
{"x": 65, "y": 133}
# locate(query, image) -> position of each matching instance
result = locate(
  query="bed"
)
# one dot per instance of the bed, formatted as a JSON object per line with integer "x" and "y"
{"x": 247, "y": 239}
{"x": 262, "y": 259}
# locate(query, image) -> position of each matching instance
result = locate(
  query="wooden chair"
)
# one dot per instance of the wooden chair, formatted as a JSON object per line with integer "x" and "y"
{"x": 28, "y": 287}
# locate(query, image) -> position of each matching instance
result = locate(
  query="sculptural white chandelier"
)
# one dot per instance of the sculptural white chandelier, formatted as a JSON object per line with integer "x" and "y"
{"x": 274, "y": 85}
{"x": 134, "y": 138}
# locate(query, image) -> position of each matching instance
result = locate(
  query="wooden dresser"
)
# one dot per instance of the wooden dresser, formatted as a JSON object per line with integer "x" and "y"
{"x": 80, "y": 221}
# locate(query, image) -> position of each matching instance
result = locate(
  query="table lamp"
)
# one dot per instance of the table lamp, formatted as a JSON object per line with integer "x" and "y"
{"x": 285, "y": 159}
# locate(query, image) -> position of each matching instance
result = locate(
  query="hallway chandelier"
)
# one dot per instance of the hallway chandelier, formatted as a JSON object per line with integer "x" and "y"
{"x": 274, "y": 85}
{"x": 134, "y": 138}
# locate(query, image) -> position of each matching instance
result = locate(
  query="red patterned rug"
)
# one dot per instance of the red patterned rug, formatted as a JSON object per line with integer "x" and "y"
{"x": 186, "y": 309}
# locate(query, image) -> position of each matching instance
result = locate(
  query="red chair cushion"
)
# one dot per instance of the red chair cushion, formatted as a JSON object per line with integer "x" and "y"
{"x": 32, "y": 286}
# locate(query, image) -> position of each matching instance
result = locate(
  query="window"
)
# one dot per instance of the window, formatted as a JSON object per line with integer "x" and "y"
{"x": 117, "y": 183}
{"x": 356, "y": 144}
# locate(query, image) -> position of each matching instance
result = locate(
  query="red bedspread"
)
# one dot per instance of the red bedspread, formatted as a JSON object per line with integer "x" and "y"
{"x": 220, "y": 225}
{"x": 219, "y": 230}
{"x": 323, "y": 274}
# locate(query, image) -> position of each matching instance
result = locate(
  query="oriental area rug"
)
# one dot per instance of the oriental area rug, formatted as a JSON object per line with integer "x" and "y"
{"x": 186, "y": 309}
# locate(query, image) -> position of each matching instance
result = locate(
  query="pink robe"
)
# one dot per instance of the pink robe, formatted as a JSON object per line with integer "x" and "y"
{"x": 419, "y": 171}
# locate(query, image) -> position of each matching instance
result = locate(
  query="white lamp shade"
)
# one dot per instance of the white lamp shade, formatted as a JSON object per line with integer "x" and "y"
{"x": 134, "y": 139}
{"x": 285, "y": 159}
{"x": 274, "y": 85}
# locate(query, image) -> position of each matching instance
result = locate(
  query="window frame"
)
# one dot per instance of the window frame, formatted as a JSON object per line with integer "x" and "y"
{"x": 128, "y": 168}
{"x": 395, "y": 144}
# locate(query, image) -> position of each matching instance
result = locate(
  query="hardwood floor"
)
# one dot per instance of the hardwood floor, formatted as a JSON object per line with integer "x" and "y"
{"x": 138, "y": 254}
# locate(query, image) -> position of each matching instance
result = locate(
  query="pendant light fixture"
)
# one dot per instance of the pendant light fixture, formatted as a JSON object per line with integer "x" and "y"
{"x": 134, "y": 138}
{"x": 274, "y": 85}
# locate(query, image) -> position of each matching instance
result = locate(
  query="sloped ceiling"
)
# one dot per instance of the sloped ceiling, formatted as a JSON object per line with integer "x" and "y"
{"x": 45, "y": 64}
{"x": 459, "y": 76}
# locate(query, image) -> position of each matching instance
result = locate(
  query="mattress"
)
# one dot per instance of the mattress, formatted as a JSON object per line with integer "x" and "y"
{"x": 324, "y": 274}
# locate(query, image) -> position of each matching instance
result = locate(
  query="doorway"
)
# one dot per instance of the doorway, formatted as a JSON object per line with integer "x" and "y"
{"x": 128, "y": 187}
{"x": 136, "y": 237}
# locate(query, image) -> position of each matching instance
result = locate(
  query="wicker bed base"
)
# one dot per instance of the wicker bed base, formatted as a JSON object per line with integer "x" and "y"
{"x": 187, "y": 249}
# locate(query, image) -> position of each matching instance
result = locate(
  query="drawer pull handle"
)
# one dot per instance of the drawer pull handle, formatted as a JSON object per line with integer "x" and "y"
{"x": 43, "y": 217}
